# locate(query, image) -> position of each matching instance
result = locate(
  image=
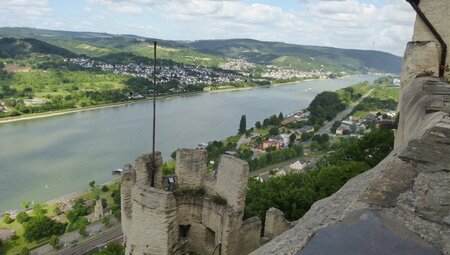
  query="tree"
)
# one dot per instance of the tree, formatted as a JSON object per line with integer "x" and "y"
{"x": 105, "y": 188}
{"x": 258, "y": 125}
{"x": 54, "y": 242}
{"x": 280, "y": 117}
{"x": 26, "y": 204}
{"x": 42, "y": 226}
{"x": 112, "y": 249}
{"x": 22, "y": 217}
{"x": 82, "y": 230}
{"x": 106, "y": 220}
{"x": 243, "y": 124}
{"x": 25, "y": 251}
{"x": 273, "y": 131}
{"x": 7, "y": 219}
{"x": 39, "y": 210}
{"x": 92, "y": 184}
{"x": 1, "y": 242}
{"x": 292, "y": 138}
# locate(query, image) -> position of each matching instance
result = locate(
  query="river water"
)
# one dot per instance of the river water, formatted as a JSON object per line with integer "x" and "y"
{"x": 42, "y": 159}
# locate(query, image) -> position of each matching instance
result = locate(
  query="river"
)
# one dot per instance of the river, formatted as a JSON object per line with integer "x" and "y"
{"x": 42, "y": 159}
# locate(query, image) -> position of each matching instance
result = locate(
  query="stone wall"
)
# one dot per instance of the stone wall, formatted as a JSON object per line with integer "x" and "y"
{"x": 423, "y": 54}
{"x": 190, "y": 167}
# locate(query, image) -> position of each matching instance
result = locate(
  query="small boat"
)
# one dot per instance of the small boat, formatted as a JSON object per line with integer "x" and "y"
{"x": 117, "y": 171}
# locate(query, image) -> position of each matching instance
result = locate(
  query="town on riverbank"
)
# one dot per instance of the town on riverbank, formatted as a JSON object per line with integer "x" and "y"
{"x": 303, "y": 142}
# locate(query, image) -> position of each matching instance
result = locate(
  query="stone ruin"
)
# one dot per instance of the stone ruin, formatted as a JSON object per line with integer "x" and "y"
{"x": 196, "y": 210}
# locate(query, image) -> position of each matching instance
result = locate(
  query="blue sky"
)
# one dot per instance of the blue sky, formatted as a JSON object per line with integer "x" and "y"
{"x": 361, "y": 24}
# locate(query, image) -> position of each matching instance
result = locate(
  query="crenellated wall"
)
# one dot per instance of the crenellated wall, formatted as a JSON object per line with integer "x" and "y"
{"x": 202, "y": 213}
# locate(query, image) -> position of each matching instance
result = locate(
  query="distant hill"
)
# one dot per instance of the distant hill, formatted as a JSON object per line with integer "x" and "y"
{"x": 17, "y": 48}
{"x": 216, "y": 52}
{"x": 276, "y": 52}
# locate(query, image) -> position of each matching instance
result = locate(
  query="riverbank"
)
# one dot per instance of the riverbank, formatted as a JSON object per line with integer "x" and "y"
{"x": 103, "y": 106}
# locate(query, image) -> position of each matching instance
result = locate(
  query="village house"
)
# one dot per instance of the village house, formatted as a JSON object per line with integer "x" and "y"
{"x": 298, "y": 166}
{"x": 34, "y": 101}
{"x": 272, "y": 143}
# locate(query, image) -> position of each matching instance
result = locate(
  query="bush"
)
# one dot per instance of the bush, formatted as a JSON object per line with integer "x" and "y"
{"x": 25, "y": 251}
{"x": 42, "y": 226}
{"x": 191, "y": 192}
{"x": 22, "y": 217}
{"x": 7, "y": 219}
{"x": 218, "y": 199}
{"x": 105, "y": 188}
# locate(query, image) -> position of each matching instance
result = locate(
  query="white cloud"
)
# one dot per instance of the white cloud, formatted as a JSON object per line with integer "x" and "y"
{"x": 25, "y": 9}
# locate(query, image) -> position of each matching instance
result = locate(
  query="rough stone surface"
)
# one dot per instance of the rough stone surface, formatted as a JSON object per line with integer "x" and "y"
{"x": 156, "y": 221}
{"x": 437, "y": 12}
{"x": 275, "y": 223}
{"x": 190, "y": 167}
{"x": 417, "y": 60}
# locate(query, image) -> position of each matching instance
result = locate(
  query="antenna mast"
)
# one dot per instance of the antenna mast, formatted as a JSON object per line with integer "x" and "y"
{"x": 154, "y": 116}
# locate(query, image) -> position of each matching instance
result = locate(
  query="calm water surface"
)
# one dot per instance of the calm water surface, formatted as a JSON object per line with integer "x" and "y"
{"x": 45, "y": 158}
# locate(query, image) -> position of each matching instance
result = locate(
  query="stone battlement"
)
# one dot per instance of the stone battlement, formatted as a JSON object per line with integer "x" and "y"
{"x": 200, "y": 211}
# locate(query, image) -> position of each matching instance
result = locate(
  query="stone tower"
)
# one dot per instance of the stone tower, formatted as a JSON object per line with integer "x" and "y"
{"x": 197, "y": 210}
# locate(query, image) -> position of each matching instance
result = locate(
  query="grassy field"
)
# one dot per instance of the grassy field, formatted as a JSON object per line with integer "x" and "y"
{"x": 12, "y": 247}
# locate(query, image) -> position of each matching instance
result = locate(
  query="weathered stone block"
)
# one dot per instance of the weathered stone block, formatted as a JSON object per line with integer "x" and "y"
{"x": 396, "y": 178}
{"x": 275, "y": 223}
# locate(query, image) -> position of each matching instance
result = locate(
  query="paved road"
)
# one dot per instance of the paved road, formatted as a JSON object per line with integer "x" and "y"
{"x": 93, "y": 229}
{"x": 326, "y": 129}
{"x": 107, "y": 236}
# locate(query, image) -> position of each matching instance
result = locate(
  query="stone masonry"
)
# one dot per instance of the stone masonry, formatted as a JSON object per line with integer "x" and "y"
{"x": 202, "y": 211}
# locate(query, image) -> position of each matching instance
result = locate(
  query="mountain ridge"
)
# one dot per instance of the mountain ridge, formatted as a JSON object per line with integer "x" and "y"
{"x": 217, "y": 51}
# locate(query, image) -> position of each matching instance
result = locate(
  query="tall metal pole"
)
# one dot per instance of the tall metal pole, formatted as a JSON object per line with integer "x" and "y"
{"x": 154, "y": 116}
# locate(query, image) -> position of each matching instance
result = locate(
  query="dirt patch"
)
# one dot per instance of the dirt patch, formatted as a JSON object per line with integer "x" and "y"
{"x": 13, "y": 68}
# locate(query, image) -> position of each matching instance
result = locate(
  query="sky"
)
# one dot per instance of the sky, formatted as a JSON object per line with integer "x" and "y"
{"x": 384, "y": 25}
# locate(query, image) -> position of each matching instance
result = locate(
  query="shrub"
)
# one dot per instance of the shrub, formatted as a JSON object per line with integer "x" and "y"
{"x": 218, "y": 199}
{"x": 7, "y": 219}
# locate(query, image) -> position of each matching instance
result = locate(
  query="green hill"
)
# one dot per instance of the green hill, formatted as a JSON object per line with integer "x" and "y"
{"x": 215, "y": 52}
{"x": 19, "y": 48}
{"x": 301, "y": 56}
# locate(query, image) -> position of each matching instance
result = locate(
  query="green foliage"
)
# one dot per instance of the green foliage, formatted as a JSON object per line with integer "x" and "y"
{"x": 295, "y": 193}
{"x": 39, "y": 210}
{"x": 25, "y": 251}
{"x": 7, "y": 219}
{"x": 258, "y": 125}
{"x": 76, "y": 215}
{"x": 217, "y": 148}
{"x": 82, "y": 230}
{"x": 191, "y": 192}
{"x": 218, "y": 199}
{"x": 168, "y": 168}
{"x": 22, "y": 217}
{"x": 20, "y": 48}
{"x": 274, "y": 131}
{"x": 41, "y": 226}
{"x": 372, "y": 148}
{"x": 106, "y": 220}
{"x": 92, "y": 184}
{"x": 115, "y": 208}
{"x": 274, "y": 156}
{"x": 54, "y": 242}
{"x": 105, "y": 188}
{"x": 325, "y": 106}
{"x": 242, "y": 124}
{"x": 112, "y": 249}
